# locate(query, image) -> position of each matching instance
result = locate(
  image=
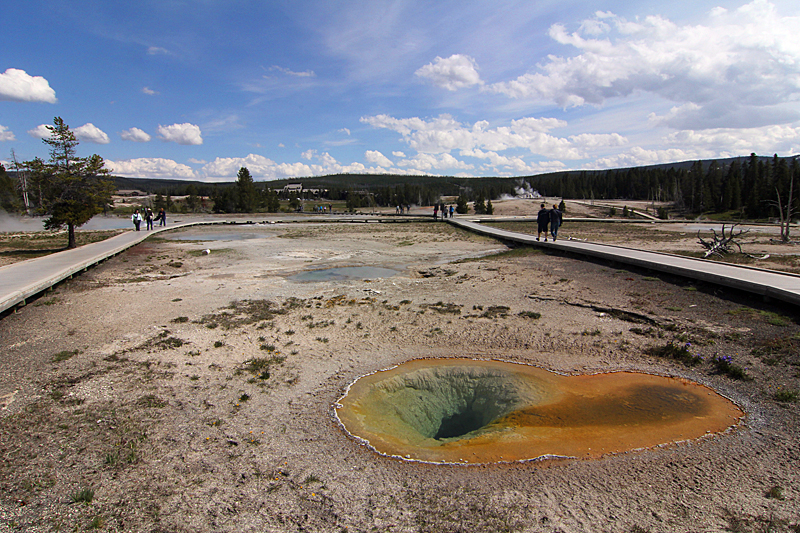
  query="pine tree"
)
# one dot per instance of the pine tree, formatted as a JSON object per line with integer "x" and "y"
{"x": 461, "y": 205}
{"x": 246, "y": 194}
{"x": 479, "y": 206}
{"x": 10, "y": 199}
{"x": 71, "y": 189}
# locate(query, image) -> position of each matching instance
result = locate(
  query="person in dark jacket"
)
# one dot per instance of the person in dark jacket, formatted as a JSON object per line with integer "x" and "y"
{"x": 555, "y": 221}
{"x": 543, "y": 219}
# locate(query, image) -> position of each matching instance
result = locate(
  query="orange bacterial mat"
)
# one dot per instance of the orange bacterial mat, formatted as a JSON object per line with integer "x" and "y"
{"x": 469, "y": 411}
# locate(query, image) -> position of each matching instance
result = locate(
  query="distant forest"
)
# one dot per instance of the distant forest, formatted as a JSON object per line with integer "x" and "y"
{"x": 747, "y": 187}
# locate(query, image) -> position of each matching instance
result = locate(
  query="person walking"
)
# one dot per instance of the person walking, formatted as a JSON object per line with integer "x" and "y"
{"x": 543, "y": 219}
{"x": 555, "y": 221}
{"x": 148, "y": 218}
{"x": 436, "y": 211}
{"x": 162, "y": 217}
{"x": 136, "y": 218}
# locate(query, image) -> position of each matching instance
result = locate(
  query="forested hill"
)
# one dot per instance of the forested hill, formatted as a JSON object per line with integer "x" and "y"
{"x": 372, "y": 181}
{"x": 746, "y": 184}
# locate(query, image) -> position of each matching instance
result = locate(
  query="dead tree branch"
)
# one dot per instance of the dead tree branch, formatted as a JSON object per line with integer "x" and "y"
{"x": 722, "y": 244}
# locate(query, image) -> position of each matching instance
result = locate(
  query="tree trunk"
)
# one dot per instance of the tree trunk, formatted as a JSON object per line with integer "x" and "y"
{"x": 788, "y": 210}
{"x": 71, "y": 233}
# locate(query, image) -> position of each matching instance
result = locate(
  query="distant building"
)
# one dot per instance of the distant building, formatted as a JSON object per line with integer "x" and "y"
{"x": 131, "y": 192}
{"x": 293, "y": 188}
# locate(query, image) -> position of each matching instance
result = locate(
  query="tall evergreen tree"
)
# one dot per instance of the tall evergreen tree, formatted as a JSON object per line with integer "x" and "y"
{"x": 71, "y": 189}
{"x": 10, "y": 199}
{"x": 246, "y": 193}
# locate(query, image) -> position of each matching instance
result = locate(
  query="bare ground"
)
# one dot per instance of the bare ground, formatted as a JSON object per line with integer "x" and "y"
{"x": 142, "y": 382}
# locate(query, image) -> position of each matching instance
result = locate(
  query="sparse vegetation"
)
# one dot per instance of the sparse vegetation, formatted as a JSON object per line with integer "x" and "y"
{"x": 787, "y": 395}
{"x": 151, "y": 401}
{"x": 83, "y": 496}
{"x": 444, "y": 308}
{"x": 775, "y": 492}
{"x": 725, "y": 365}
{"x": 260, "y": 366}
{"x": 678, "y": 352}
{"x": 64, "y": 355}
{"x": 496, "y": 311}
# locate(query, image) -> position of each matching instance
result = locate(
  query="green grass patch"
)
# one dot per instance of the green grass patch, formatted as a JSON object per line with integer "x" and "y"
{"x": 82, "y": 496}
{"x": 64, "y": 355}
{"x": 770, "y": 317}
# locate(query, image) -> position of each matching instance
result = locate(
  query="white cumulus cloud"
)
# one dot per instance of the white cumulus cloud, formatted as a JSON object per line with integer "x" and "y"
{"x": 455, "y": 72}
{"x": 135, "y": 135}
{"x": 740, "y": 63}
{"x": 151, "y": 167}
{"x": 91, "y": 133}
{"x": 18, "y": 86}
{"x": 188, "y": 134}
{"x": 377, "y": 158}
{"x": 444, "y": 134}
{"x": 6, "y": 134}
{"x": 427, "y": 162}
{"x": 228, "y": 167}
{"x": 40, "y": 132}
{"x": 638, "y": 156}
{"x": 780, "y": 139}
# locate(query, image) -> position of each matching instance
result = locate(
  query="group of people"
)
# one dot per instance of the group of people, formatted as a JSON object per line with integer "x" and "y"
{"x": 444, "y": 210}
{"x": 551, "y": 217}
{"x": 137, "y": 218}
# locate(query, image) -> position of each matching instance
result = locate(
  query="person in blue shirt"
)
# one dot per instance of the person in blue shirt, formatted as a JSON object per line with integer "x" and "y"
{"x": 555, "y": 221}
{"x": 543, "y": 219}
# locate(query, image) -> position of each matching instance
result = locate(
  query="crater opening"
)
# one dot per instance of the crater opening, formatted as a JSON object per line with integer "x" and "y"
{"x": 459, "y": 424}
{"x": 468, "y": 411}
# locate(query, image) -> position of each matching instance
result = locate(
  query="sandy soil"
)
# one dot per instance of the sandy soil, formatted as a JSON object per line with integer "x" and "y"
{"x": 143, "y": 381}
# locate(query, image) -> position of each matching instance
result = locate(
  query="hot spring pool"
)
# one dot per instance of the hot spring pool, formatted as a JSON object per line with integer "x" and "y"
{"x": 471, "y": 411}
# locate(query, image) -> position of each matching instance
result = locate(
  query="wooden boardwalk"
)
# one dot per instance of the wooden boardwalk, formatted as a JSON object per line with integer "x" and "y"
{"x": 22, "y": 281}
{"x": 766, "y": 283}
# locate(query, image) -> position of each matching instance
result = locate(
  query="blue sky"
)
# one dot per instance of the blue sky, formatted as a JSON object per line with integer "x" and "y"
{"x": 197, "y": 89}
